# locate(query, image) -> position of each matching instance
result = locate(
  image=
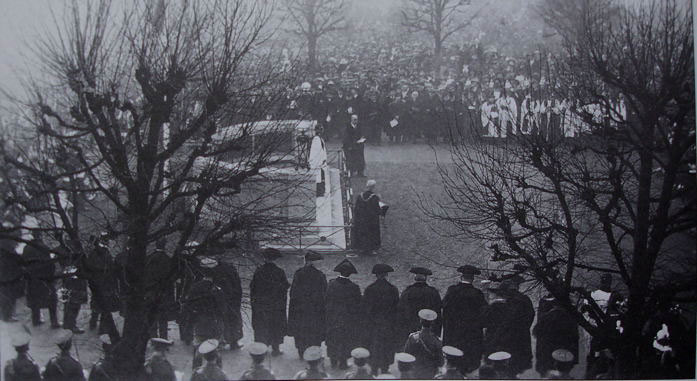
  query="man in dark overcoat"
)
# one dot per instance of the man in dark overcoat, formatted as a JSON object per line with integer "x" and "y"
{"x": 343, "y": 315}
{"x": 269, "y": 296}
{"x": 555, "y": 329}
{"x": 160, "y": 289}
{"x": 353, "y": 145}
{"x": 226, "y": 277}
{"x": 524, "y": 314}
{"x": 380, "y": 301}
{"x": 11, "y": 279}
{"x": 365, "y": 233}
{"x": 41, "y": 287}
{"x": 463, "y": 305}
{"x": 103, "y": 279}
{"x": 416, "y": 297}
{"x": 306, "y": 307}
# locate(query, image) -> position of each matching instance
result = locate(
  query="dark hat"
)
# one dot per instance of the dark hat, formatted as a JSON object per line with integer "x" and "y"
{"x": 468, "y": 270}
{"x": 271, "y": 253}
{"x": 382, "y": 268}
{"x": 312, "y": 256}
{"x": 345, "y": 267}
{"x": 420, "y": 271}
{"x": 562, "y": 355}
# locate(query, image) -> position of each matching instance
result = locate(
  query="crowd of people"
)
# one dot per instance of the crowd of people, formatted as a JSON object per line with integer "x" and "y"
{"x": 467, "y": 332}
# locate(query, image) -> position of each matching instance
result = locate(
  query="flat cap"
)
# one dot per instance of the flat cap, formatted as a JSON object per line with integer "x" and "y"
{"x": 105, "y": 339}
{"x": 63, "y": 337}
{"x": 257, "y": 349}
{"x": 208, "y": 346}
{"x": 20, "y": 339}
{"x": 271, "y": 253}
{"x": 360, "y": 353}
{"x": 158, "y": 341}
{"x": 312, "y": 353}
{"x": 404, "y": 357}
{"x": 312, "y": 256}
{"x": 428, "y": 315}
{"x": 468, "y": 270}
{"x": 562, "y": 355}
{"x": 345, "y": 267}
{"x": 208, "y": 263}
{"x": 420, "y": 271}
{"x": 382, "y": 268}
{"x": 499, "y": 356}
{"x": 452, "y": 351}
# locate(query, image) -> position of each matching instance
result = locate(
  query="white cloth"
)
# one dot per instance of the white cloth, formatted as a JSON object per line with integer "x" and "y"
{"x": 318, "y": 157}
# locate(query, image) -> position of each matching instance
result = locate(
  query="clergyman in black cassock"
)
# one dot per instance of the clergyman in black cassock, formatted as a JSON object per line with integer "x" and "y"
{"x": 365, "y": 233}
{"x": 463, "y": 305}
{"x": 380, "y": 301}
{"x": 269, "y": 296}
{"x": 306, "y": 308}
{"x": 343, "y": 315}
{"x": 416, "y": 297}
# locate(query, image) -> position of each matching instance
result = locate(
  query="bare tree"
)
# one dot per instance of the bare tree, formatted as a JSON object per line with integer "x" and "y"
{"x": 314, "y": 19}
{"x": 440, "y": 19}
{"x": 619, "y": 198}
{"x": 126, "y": 133}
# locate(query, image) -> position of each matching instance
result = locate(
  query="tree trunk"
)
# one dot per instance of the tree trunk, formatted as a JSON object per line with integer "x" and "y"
{"x": 437, "y": 58}
{"x": 312, "y": 53}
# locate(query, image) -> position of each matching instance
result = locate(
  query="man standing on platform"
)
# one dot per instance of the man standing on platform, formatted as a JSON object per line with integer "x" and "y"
{"x": 463, "y": 305}
{"x": 354, "y": 145}
{"x": 365, "y": 233}
{"x": 306, "y": 308}
{"x": 268, "y": 296}
{"x": 343, "y": 315}
{"x": 380, "y": 301}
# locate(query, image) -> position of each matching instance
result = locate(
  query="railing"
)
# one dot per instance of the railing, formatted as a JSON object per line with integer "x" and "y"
{"x": 346, "y": 196}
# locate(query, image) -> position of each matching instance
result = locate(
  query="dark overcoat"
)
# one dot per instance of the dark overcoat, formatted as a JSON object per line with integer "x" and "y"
{"x": 365, "y": 233}
{"x": 414, "y": 298}
{"x": 343, "y": 317}
{"x": 203, "y": 307}
{"x": 41, "y": 271}
{"x": 505, "y": 321}
{"x": 269, "y": 296}
{"x": 380, "y": 301}
{"x": 306, "y": 308}
{"x": 463, "y": 306}
{"x": 355, "y": 159}
{"x": 555, "y": 329}
{"x": 226, "y": 277}
{"x": 103, "y": 278}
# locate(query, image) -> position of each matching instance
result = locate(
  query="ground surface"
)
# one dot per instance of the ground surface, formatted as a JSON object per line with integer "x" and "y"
{"x": 404, "y": 174}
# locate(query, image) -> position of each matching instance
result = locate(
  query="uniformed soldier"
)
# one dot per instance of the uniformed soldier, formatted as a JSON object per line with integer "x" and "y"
{"x": 63, "y": 367}
{"x": 103, "y": 369}
{"x": 416, "y": 297}
{"x": 268, "y": 297}
{"x": 157, "y": 367}
{"x": 405, "y": 365}
{"x": 313, "y": 357}
{"x": 258, "y": 372}
{"x": 23, "y": 367}
{"x": 500, "y": 365}
{"x": 210, "y": 370}
{"x": 563, "y": 363}
{"x": 462, "y": 319}
{"x": 425, "y": 347}
{"x": 306, "y": 308}
{"x": 360, "y": 361}
{"x": 343, "y": 315}
{"x": 452, "y": 359}
{"x": 380, "y": 301}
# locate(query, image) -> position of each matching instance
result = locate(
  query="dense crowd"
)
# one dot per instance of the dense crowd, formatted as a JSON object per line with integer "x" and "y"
{"x": 467, "y": 332}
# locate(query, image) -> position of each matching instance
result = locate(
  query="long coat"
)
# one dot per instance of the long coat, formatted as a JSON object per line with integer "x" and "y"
{"x": 463, "y": 305}
{"x": 269, "y": 295}
{"x": 203, "y": 307}
{"x": 505, "y": 322}
{"x": 343, "y": 317}
{"x": 555, "y": 329}
{"x": 380, "y": 301}
{"x": 306, "y": 308}
{"x": 41, "y": 288}
{"x": 524, "y": 314}
{"x": 226, "y": 277}
{"x": 102, "y": 274}
{"x": 365, "y": 233}
{"x": 414, "y": 298}
{"x": 355, "y": 159}
{"x": 11, "y": 272}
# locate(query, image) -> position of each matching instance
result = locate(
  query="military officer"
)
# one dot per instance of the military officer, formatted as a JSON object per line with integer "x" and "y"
{"x": 63, "y": 367}
{"x": 103, "y": 369}
{"x": 157, "y": 367}
{"x": 211, "y": 369}
{"x": 416, "y": 297}
{"x": 22, "y": 367}
{"x": 380, "y": 302}
{"x": 306, "y": 308}
{"x": 405, "y": 365}
{"x": 268, "y": 296}
{"x": 500, "y": 365}
{"x": 563, "y": 363}
{"x": 452, "y": 360}
{"x": 462, "y": 322}
{"x": 313, "y": 357}
{"x": 343, "y": 314}
{"x": 258, "y": 372}
{"x": 360, "y": 360}
{"x": 425, "y": 346}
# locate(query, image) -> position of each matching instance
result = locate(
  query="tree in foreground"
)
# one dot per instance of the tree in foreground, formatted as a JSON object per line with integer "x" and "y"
{"x": 123, "y": 134}
{"x": 619, "y": 198}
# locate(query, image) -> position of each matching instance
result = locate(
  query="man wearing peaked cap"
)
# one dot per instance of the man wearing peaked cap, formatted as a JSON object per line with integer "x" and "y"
{"x": 463, "y": 305}
{"x": 425, "y": 346}
{"x": 211, "y": 369}
{"x": 450, "y": 370}
{"x": 268, "y": 293}
{"x": 563, "y": 363}
{"x": 306, "y": 307}
{"x": 405, "y": 365}
{"x": 500, "y": 363}
{"x": 380, "y": 301}
{"x": 257, "y": 372}
{"x": 158, "y": 367}
{"x": 313, "y": 356}
{"x": 414, "y": 298}
{"x": 22, "y": 367}
{"x": 360, "y": 360}
{"x": 343, "y": 306}
{"x": 63, "y": 366}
